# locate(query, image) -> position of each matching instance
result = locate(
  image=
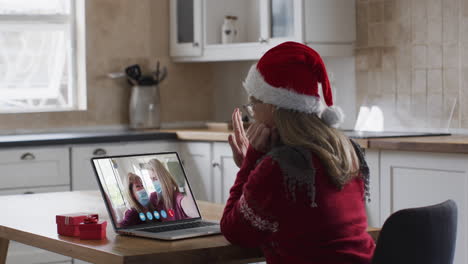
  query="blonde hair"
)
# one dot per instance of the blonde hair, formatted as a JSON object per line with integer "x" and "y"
{"x": 132, "y": 180}
{"x": 332, "y": 147}
{"x": 168, "y": 183}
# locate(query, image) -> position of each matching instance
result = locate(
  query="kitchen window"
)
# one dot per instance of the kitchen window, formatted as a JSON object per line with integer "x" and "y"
{"x": 42, "y": 56}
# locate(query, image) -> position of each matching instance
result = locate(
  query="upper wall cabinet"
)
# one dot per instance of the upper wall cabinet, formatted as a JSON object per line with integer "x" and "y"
{"x": 186, "y": 27}
{"x": 197, "y": 27}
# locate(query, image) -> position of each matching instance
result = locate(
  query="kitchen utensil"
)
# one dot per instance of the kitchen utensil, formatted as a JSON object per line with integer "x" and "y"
{"x": 162, "y": 75}
{"x": 157, "y": 72}
{"x": 144, "y": 107}
{"x": 133, "y": 73}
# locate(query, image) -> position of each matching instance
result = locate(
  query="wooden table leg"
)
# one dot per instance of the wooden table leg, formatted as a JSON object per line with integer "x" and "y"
{"x": 3, "y": 249}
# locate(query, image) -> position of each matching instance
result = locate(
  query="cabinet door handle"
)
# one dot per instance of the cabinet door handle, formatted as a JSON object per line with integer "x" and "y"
{"x": 196, "y": 44}
{"x": 215, "y": 164}
{"x": 99, "y": 152}
{"x": 28, "y": 192}
{"x": 28, "y": 156}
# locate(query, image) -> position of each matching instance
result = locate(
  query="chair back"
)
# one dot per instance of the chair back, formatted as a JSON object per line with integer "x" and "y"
{"x": 419, "y": 235}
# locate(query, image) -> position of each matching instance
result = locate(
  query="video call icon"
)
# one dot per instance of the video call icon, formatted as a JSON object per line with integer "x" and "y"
{"x": 149, "y": 215}
{"x": 156, "y": 215}
{"x": 171, "y": 212}
{"x": 163, "y": 214}
{"x": 142, "y": 217}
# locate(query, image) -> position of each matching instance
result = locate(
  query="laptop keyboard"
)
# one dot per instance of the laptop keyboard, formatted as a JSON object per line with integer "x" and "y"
{"x": 179, "y": 226}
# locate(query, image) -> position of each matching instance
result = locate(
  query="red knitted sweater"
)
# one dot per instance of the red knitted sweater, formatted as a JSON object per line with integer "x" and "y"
{"x": 261, "y": 212}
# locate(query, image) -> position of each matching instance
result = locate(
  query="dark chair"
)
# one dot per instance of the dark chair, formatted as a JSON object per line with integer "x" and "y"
{"x": 424, "y": 235}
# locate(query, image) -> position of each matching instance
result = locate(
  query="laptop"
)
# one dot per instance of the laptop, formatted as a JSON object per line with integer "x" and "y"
{"x": 138, "y": 189}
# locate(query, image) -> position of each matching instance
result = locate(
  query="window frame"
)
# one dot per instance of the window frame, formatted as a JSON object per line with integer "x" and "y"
{"x": 76, "y": 52}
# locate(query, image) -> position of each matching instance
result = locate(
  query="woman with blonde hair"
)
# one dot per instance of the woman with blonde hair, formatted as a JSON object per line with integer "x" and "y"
{"x": 167, "y": 199}
{"x": 300, "y": 191}
{"x": 141, "y": 209}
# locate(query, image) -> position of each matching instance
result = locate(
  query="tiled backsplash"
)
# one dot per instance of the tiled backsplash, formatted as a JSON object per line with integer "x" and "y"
{"x": 412, "y": 61}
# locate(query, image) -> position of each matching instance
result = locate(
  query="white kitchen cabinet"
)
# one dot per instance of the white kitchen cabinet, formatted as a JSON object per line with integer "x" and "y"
{"x": 196, "y": 159}
{"x": 34, "y": 167}
{"x": 261, "y": 24}
{"x": 83, "y": 177}
{"x": 373, "y": 206}
{"x": 22, "y": 254}
{"x": 186, "y": 27}
{"x": 414, "y": 179}
{"x": 224, "y": 171}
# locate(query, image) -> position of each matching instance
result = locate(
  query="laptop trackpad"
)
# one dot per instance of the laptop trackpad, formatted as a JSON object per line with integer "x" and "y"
{"x": 174, "y": 234}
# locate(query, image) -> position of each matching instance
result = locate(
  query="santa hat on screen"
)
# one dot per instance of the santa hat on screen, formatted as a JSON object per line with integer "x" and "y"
{"x": 288, "y": 76}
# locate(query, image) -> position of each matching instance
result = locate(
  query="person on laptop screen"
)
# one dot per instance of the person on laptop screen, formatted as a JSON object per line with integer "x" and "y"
{"x": 139, "y": 201}
{"x": 300, "y": 192}
{"x": 167, "y": 196}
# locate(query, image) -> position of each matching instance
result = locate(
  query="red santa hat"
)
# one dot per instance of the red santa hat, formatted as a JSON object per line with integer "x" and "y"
{"x": 288, "y": 76}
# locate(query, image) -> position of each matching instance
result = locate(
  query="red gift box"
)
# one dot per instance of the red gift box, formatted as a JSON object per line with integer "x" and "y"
{"x": 68, "y": 224}
{"x": 91, "y": 228}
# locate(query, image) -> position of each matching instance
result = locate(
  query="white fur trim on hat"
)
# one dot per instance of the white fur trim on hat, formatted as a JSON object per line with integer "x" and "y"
{"x": 332, "y": 116}
{"x": 256, "y": 86}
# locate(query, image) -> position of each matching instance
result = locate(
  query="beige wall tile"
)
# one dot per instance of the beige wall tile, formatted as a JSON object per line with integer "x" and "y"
{"x": 391, "y": 34}
{"x": 464, "y": 55}
{"x": 450, "y": 20}
{"x": 388, "y": 83}
{"x": 419, "y": 84}
{"x": 419, "y": 110}
{"x": 404, "y": 32}
{"x": 464, "y": 4}
{"x": 464, "y": 29}
{"x": 434, "y": 30}
{"x": 403, "y": 9}
{"x": 434, "y": 82}
{"x": 434, "y": 56}
{"x": 450, "y": 55}
{"x": 374, "y": 86}
{"x": 362, "y": 32}
{"x": 419, "y": 56}
{"x": 362, "y": 13}
{"x": 390, "y": 10}
{"x": 376, "y": 34}
{"x": 376, "y": 11}
{"x": 362, "y": 60}
{"x": 434, "y": 8}
{"x": 419, "y": 9}
{"x": 403, "y": 104}
{"x": 435, "y": 107}
{"x": 374, "y": 57}
{"x": 389, "y": 59}
{"x": 419, "y": 30}
{"x": 451, "y": 82}
{"x": 404, "y": 81}
{"x": 429, "y": 50}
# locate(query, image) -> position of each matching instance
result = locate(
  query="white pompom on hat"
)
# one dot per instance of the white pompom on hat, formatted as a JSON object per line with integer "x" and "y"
{"x": 288, "y": 76}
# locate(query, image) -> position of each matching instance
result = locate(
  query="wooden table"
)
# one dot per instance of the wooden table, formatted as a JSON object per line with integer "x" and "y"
{"x": 30, "y": 219}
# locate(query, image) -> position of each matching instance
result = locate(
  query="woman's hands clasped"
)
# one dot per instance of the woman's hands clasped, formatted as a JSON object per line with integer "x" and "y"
{"x": 261, "y": 137}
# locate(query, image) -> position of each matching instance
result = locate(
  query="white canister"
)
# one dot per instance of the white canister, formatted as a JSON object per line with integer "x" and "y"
{"x": 229, "y": 30}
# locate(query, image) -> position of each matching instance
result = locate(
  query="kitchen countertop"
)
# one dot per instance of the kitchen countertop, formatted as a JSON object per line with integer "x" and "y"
{"x": 46, "y": 139}
{"x": 445, "y": 144}
{"x": 204, "y": 134}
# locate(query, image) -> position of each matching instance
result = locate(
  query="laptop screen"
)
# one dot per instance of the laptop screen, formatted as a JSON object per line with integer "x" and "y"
{"x": 145, "y": 189}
